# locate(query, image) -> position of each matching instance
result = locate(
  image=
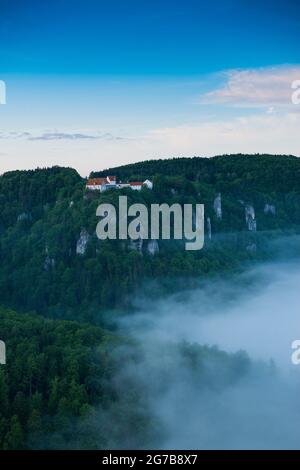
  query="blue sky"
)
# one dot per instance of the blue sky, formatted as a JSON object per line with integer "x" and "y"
{"x": 96, "y": 83}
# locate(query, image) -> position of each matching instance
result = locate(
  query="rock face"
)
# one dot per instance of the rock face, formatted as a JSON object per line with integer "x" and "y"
{"x": 218, "y": 206}
{"x": 152, "y": 247}
{"x": 208, "y": 221}
{"x": 82, "y": 242}
{"x": 250, "y": 218}
{"x": 24, "y": 216}
{"x": 251, "y": 247}
{"x": 49, "y": 263}
{"x": 136, "y": 245}
{"x": 270, "y": 209}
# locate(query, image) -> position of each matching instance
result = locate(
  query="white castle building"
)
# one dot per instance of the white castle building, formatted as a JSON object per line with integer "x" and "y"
{"x": 108, "y": 182}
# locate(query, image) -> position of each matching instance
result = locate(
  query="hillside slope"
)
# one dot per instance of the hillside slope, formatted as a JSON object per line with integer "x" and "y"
{"x": 51, "y": 261}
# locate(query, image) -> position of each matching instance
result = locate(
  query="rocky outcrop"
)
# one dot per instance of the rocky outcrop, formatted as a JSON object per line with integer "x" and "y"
{"x": 250, "y": 218}
{"x": 82, "y": 242}
{"x": 270, "y": 209}
{"x": 136, "y": 245}
{"x": 208, "y": 223}
{"x": 49, "y": 263}
{"x": 218, "y": 206}
{"x": 152, "y": 247}
{"x": 24, "y": 216}
{"x": 251, "y": 247}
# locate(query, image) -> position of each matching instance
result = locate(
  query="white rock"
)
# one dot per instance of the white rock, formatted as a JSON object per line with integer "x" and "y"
{"x": 250, "y": 218}
{"x": 218, "y": 206}
{"x": 270, "y": 209}
{"x": 208, "y": 227}
{"x": 152, "y": 247}
{"x": 82, "y": 242}
{"x": 24, "y": 216}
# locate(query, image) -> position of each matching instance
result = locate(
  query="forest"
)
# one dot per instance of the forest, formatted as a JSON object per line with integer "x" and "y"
{"x": 52, "y": 263}
{"x": 63, "y": 291}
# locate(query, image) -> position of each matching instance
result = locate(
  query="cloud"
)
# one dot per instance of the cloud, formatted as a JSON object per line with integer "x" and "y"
{"x": 259, "y": 133}
{"x": 275, "y": 133}
{"x": 255, "y": 87}
{"x": 174, "y": 377}
{"x": 270, "y": 126}
{"x": 14, "y": 135}
{"x": 256, "y": 312}
{"x": 60, "y": 135}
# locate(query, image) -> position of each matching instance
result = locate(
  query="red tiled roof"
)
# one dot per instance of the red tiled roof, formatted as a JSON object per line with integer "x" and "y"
{"x": 100, "y": 181}
{"x": 136, "y": 183}
{"x": 96, "y": 181}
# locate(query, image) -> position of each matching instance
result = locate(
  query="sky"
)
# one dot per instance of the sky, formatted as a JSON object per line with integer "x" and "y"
{"x": 94, "y": 84}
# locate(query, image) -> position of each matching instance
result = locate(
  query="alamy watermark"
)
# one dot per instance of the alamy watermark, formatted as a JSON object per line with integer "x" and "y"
{"x": 2, "y": 353}
{"x": 178, "y": 222}
{"x": 295, "y": 357}
{"x": 296, "y": 93}
{"x": 2, "y": 92}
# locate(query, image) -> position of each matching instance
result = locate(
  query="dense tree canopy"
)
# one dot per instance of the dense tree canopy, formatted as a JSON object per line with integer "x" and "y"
{"x": 62, "y": 385}
{"x": 43, "y": 214}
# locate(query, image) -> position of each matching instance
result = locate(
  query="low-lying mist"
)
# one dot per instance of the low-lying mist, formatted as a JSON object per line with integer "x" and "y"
{"x": 257, "y": 312}
{"x": 208, "y": 368}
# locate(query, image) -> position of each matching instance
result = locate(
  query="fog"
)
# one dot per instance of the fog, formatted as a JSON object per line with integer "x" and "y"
{"x": 208, "y": 368}
{"x": 257, "y": 312}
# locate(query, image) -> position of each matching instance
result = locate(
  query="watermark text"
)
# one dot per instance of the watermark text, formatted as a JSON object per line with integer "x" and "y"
{"x": 164, "y": 222}
{"x": 2, "y": 353}
{"x": 295, "y": 357}
{"x": 296, "y": 93}
{"x": 2, "y": 92}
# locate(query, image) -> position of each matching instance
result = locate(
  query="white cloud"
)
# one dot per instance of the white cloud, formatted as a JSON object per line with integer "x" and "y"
{"x": 272, "y": 126}
{"x": 255, "y": 87}
{"x": 260, "y": 133}
{"x": 60, "y": 135}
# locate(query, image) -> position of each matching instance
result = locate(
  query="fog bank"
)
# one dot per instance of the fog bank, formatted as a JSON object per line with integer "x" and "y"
{"x": 257, "y": 312}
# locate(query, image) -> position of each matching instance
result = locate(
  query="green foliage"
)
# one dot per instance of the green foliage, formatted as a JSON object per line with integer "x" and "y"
{"x": 63, "y": 385}
{"x": 50, "y": 371}
{"x": 43, "y": 213}
{"x": 74, "y": 386}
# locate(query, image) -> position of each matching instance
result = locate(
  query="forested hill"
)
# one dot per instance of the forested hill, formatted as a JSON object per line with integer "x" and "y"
{"x": 51, "y": 261}
{"x": 226, "y": 172}
{"x": 63, "y": 385}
